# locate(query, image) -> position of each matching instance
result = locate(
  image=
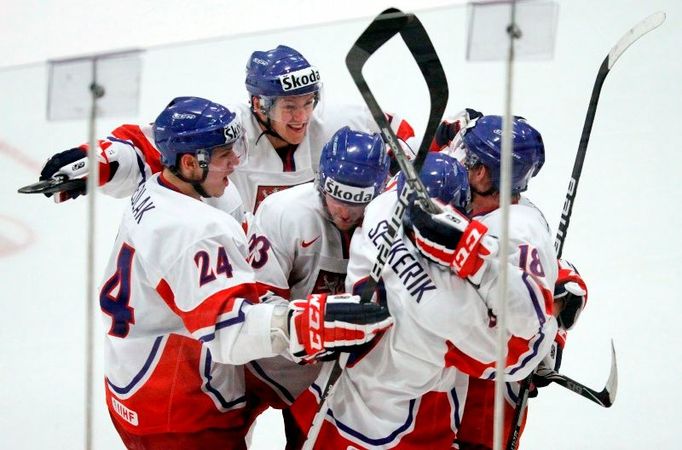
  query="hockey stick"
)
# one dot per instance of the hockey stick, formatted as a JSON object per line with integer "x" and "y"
{"x": 418, "y": 42}
{"x": 386, "y": 25}
{"x": 650, "y": 23}
{"x": 53, "y": 185}
{"x": 604, "y": 398}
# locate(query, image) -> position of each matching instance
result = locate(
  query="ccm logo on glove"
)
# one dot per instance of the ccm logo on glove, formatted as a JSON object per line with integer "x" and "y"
{"x": 331, "y": 323}
{"x": 468, "y": 246}
{"x": 315, "y": 325}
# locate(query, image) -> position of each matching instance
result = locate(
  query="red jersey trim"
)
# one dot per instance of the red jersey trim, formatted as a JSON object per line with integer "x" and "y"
{"x": 134, "y": 134}
{"x": 207, "y": 313}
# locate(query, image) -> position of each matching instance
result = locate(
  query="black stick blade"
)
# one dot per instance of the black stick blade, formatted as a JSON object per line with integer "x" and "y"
{"x": 604, "y": 398}
{"x": 53, "y": 186}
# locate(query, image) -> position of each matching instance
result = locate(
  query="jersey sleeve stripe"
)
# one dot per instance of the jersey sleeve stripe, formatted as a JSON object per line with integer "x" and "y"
{"x": 519, "y": 353}
{"x": 224, "y": 403}
{"x": 522, "y": 352}
{"x": 134, "y": 134}
{"x": 537, "y": 291}
{"x": 220, "y": 310}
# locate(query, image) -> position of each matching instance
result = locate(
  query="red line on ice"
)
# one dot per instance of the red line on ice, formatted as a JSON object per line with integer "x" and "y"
{"x": 20, "y": 157}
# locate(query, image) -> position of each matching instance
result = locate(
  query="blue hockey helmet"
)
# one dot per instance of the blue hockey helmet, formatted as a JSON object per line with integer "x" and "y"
{"x": 483, "y": 144}
{"x": 353, "y": 166}
{"x": 445, "y": 179}
{"x": 196, "y": 125}
{"x": 280, "y": 72}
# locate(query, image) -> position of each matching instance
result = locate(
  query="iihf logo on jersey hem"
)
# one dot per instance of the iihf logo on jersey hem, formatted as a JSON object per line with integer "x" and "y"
{"x": 299, "y": 79}
{"x": 127, "y": 414}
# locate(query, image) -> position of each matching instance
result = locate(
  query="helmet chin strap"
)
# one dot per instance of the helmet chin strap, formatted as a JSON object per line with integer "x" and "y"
{"x": 268, "y": 130}
{"x": 485, "y": 193}
{"x": 203, "y": 158}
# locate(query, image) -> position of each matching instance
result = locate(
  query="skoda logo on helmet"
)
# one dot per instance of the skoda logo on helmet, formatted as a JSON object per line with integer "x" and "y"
{"x": 232, "y": 132}
{"x": 350, "y": 194}
{"x": 299, "y": 79}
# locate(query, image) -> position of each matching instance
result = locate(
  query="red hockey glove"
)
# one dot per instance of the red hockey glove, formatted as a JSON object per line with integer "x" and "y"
{"x": 571, "y": 291}
{"x": 448, "y": 128}
{"x": 323, "y": 323}
{"x": 406, "y": 139}
{"x": 450, "y": 239}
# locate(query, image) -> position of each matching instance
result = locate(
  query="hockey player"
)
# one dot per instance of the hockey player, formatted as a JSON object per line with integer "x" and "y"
{"x": 570, "y": 291}
{"x": 126, "y": 157}
{"x": 288, "y": 129}
{"x": 395, "y": 396}
{"x": 284, "y": 131}
{"x": 181, "y": 303}
{"x": 311, "y": 245}
{"x": 301, "y": 240}
{"x": 308, "y": 251}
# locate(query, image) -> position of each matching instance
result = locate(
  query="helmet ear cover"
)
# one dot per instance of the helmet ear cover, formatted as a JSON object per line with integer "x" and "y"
{"x": 202, "y": 156}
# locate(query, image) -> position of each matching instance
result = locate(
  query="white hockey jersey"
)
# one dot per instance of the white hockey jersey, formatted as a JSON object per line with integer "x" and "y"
{"x": 409, "y": 390}
{"x": 296, "y": 247}
{"x": 311, "y": 254}
{"x": 178, "y": 278}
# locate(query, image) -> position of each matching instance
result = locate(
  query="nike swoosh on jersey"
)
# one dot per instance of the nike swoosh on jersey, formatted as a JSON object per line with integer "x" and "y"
{"x": 305, "y": 244}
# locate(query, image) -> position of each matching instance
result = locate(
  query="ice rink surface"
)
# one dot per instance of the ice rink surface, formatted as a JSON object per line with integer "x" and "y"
{"x": 624, "y": 234}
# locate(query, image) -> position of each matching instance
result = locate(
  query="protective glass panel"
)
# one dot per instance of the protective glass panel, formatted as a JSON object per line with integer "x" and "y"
{"x": 69, "y": 93}
{"x": 488, "y": 30}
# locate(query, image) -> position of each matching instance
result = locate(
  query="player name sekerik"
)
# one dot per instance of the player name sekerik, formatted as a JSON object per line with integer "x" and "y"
{"x": 411, "y": 273}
